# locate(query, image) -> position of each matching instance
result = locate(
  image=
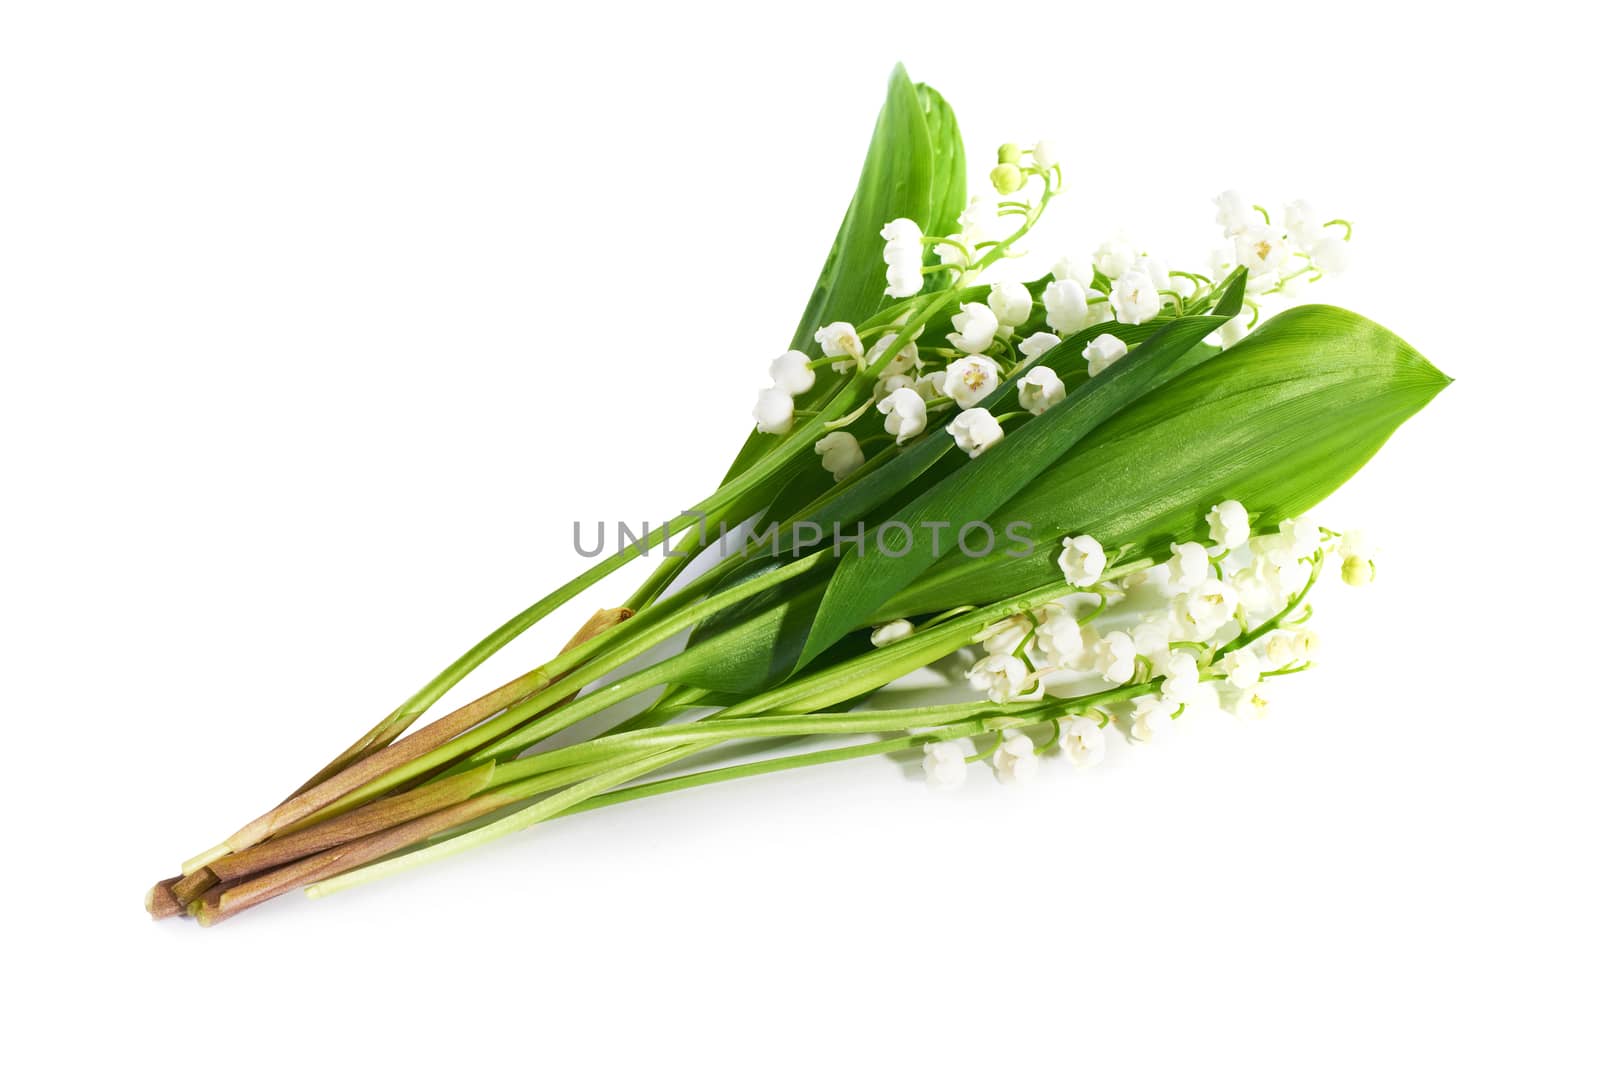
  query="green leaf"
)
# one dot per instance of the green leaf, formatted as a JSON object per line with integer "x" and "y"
{"x": 1278, "y": 422}
{"x": 916, "y": 169}
{"x": 974, "y": 490}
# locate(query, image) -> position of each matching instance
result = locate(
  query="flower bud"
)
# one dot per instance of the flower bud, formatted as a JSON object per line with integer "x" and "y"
{"x": 1006, "y": 178}
{"x": 1356, "y": 571}
{"x": 1010, "y": 153}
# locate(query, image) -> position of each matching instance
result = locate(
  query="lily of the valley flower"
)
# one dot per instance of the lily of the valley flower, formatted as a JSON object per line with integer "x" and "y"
{"x": 1104, "y": 351}
{"x": 1011, "y": 303}
{"x": 905, "y": 361}
{"x": 1279, "y": 650}
{"x": 1079, "y": 271}
{"x": 1242, "y": 667}
{"x": 1297, "y": 539}
{"x": 839, "y": 339}
{"x": 1356, "y": 571}
{"x": 1115, "y": 657}
{"x": 1001, "y": 675}
{"x": 1037, "y": 344}
{"x": 1151, "y": 716}
{"x": 774, "y": 411}
{"x": 1114, "y": 257}
{"x": 1151, "y": 640}
{"x": 1084, "y": 742}
{"x": 1301, "y": 226}
{"x": 1082, "y": 560}
{"x": 970, "y": 379}
{"x": 1016, "y": 761}
{"x": 903, "y": 256}
{"x": 930, "y": 386}
{"x": 1005, "y": 637}
{"x": 1246, "y": 704}
{"x": 900, "y": 232}
{"x": 1154, "y": 268}
{"x": 975, "y": 328}
{"x": 1182, "y": 680}
{"x": 1135, "y": 297}
{"x": 1189, "y": 566}
{"x": 841, "y": 454}
{"x": 1046, "y": 154}
{"x": 791, "y": 374}
{"x": 1358, "y": 551}
{"x": 1260, "y": 249}
{"x": 944, "y": 765}
{"x": 1066, "y": 306}
{"x": 904, "y": 278}
{"x": 1205, "y": 610}
{"x": 1060, "y": 639}
{"x": 905, "y": 414}
{"x": 892, "y": 632}
{"x": 975, "y": 430}
{"x": 1040, "y": 389}
{"x": 1230, "y": 524}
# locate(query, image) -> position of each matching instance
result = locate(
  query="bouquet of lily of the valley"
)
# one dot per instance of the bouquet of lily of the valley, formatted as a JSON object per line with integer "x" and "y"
{"x": 1097, "y": 477}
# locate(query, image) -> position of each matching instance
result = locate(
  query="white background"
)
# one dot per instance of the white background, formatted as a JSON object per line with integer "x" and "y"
{"x": 319, "y": 323}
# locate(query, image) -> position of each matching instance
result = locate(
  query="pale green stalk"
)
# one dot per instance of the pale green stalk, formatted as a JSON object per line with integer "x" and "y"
{"x": 615, "y": 770}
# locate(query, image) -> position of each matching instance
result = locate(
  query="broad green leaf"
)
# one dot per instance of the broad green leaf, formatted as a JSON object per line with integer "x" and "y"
{"x": 974, "y": 490}
{"x": 1278, "y": 422}
{"x": 915, "y": 168}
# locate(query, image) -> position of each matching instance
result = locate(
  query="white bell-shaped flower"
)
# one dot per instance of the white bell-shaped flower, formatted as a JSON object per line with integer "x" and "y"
{"x": 1005, "y": 637}
{"x": 1135, "y": 298}
{"x": 1301, "y": 226}
{"x": 1084, "y": 742}
{"x": 1152, "y": 716}
{"x": 903, "y": 362}
{"x": 774, "y": 411}
{"x": 1040, "y": 390}
{"x": 1066, "y": 306}
{"x": 1002, "y": 677}
{"x": 1189, "y": 566}
{"x": 892, "y": 632}
{"x": 1037, "y": 344}
{"x": 1104, "y": 351}
{"x": 1229, "y": 524}
{"x": 1016, "y": 760}
{"x": 1260, "y": 249}
{"x": 1115, "y": 657}
{"x": 840, "y": 339}
{"x": 1205, "y": 610}
{"x": 905, "y": 414}
{"x": 944, "y": 765}
{"x": 975, "y": 327}
{"x": 1114, "y": 257}
{"x": 1182, "y": 680}
{"x": 975, "y": 430}
{"x": 1082, "y": 560}
{"x": 1011, "y": 303}
{"x": 1242, "y": 668}
{"x": 970, "y": 379}
{"x": 840, "y": 452}
{"x": 791, "y": 374}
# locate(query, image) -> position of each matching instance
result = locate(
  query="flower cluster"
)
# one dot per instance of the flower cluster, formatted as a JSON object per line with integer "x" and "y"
{"x": 1300, "y": 247}
{"x": 1139, "y": 644}
{"x": 1002, "y": 337}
